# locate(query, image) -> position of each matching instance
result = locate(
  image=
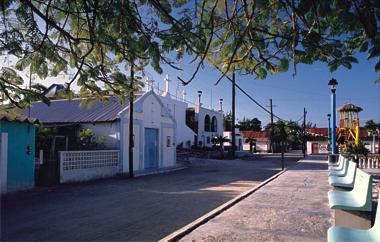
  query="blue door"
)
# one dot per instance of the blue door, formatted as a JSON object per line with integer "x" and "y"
{"x": 151, "y": 148}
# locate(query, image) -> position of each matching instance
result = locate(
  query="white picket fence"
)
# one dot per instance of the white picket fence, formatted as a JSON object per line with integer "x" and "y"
{"x": 87, "y": 165}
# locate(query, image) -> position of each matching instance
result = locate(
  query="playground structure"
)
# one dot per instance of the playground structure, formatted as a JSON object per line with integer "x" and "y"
{"x": 349, "y": 124}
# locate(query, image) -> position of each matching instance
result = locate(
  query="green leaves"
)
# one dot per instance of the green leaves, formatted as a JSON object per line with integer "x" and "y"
{"x": 377, "y": 66}
{"x": 344, "y": 61}
{"x": 9, "y": 75}
{"x": 11, "y": 85}
{"x": 284, "y": 65}
{"x": 100, "y": 40}
{"x": 374, "y": 52}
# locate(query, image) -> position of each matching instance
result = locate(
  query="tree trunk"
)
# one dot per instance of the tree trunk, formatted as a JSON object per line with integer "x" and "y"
{"x": 282, "y": 158}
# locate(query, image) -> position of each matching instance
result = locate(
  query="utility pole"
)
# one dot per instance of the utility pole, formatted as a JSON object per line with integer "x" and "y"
{"x": 233, "y": 116}
{"x": 130, "y": 133}
{"x": 304, "y": 133}
{"x": 271, "y": 122}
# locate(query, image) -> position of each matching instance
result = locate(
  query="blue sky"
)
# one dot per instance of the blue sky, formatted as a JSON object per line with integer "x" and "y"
{"x": 290, "y": 94}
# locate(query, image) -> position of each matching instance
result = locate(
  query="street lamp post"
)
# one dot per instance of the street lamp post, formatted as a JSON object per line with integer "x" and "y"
{"x": 328, "y": 133}
{"x": 333, "y": 84}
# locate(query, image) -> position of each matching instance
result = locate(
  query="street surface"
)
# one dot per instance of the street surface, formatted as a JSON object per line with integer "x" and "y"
{"x": 293, "y": 207}
{"x": 144, "y": 209}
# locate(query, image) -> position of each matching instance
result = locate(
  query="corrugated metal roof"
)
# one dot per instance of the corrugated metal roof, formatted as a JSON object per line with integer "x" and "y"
{"x": 18, "y": 118}
{"x": 65, "y": 111}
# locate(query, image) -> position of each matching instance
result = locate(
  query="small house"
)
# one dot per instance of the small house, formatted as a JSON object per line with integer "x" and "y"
{"x": 17, "y": 147}
{"x": 256, "y": 141}
{"x": 153, "y": 132}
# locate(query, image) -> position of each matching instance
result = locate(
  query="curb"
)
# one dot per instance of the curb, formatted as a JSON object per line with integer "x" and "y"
{"x": 180, "y": 233}
{"x": 156, "y": 172}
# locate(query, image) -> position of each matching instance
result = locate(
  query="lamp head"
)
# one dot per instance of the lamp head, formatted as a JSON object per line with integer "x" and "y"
{"x": 333, "y": 84}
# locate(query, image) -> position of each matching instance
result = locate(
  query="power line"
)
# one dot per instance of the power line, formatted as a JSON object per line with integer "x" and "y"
{"x": 253, "y": 100}
{"x": 257, "y": 103}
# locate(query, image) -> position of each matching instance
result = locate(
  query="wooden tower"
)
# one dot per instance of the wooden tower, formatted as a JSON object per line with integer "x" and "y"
{"x": 349, "y": 123}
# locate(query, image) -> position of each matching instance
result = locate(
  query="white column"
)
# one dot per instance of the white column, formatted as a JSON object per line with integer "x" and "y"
{"x": 184, "y": 95}
{"x": 167, "y": 82}
{"x": 41, "y": 158}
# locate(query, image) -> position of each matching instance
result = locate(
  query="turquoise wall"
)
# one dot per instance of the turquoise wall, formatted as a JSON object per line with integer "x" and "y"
{"x": 20, "y": 164}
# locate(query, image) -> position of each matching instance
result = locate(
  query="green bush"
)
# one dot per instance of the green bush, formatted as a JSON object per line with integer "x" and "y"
{"x": 356, "y": 149}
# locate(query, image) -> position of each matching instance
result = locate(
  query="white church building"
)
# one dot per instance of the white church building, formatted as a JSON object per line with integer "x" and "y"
{"x": 196, "y": 125}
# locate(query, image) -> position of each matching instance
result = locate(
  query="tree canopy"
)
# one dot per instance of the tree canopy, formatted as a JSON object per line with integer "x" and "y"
{"x": 286, "y": 133}
{"x": 372, "y": 126}
{"x": 227, "y": 121}
{"x": 106, "y": 43}
{"x": 253, "y": 124}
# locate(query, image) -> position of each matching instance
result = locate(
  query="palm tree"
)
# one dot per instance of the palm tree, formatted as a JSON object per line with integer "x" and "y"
{"x": 373, "y": 129}
{"x": 219, "y": 141}
{"x": 251, "y": 142}
{"x": 278, "y": 134}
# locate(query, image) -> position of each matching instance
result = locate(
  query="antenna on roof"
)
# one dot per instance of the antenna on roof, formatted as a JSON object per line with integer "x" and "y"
{"x": 211, "y": 100}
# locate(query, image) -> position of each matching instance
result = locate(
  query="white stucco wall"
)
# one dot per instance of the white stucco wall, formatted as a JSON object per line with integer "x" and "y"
{"x": 261, "y": 146}
{"x": 322, "y": 147}
{"x": 202, "y": 134}
{"x": 87, "y": 165}
{"x": 109, "y": 130}
{"x": 238, "y": 139}
{"x": 149, "y": 113}
{"x": 178, "y": 111}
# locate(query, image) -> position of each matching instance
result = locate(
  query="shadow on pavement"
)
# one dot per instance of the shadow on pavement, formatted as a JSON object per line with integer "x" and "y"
{"x": 144, "y": 208}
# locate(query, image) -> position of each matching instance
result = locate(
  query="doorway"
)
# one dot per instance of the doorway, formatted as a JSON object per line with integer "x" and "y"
{"x": 314, "y": 148}
{"x": 151, "y": 148}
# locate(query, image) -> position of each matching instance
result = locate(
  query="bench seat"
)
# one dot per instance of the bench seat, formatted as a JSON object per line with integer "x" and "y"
{"x": 340, "y": 172}
{"x": 338, "y": 166}
{"x": 345, "y": 201}
{"x": 345, "y": 181}
{"x": 338, "y": 181}
{"x": 343, "y": 234}
{"x": 335, "y": 164}
{"x": 359, "y": 199}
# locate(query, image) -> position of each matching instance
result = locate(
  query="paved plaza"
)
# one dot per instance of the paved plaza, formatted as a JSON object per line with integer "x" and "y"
{"x": 293, "y": 207}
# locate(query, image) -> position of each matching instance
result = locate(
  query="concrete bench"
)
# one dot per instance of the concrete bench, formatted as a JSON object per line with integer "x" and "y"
{"x": 339, "y": 166}
{"x": 345, "y": 181}
{"x": 342, "y": 171}
{"x": 335, "y": 164}
{"x": 338, "y": 234}
{"x": 352, "y": 208}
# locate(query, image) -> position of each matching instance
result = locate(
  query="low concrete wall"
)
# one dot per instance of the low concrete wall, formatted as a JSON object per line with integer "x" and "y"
{"x": 88, "y": 165}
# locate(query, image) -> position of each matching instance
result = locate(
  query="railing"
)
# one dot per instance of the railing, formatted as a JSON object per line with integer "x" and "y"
{"x": 87, "y": 165}
{"x": 371, "y": 161}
